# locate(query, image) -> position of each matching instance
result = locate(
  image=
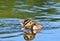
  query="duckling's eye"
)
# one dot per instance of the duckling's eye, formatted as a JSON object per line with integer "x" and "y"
{"x": 30, "y": 22}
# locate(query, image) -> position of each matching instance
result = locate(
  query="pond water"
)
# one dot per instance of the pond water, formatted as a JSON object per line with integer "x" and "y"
{"x": 46, "y": 12}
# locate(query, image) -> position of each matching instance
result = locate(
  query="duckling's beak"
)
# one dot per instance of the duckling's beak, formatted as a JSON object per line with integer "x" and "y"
{"x": 21, "y": 22}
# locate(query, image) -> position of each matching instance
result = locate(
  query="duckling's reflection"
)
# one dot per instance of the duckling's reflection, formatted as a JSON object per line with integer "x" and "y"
{"x": 29, "y": 36}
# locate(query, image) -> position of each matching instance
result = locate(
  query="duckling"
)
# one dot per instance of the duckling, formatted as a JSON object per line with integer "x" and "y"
{"x": 32, "y": 25}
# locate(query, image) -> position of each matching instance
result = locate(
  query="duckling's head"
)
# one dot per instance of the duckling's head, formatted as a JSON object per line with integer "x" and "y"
{"x": 27, "y": 22}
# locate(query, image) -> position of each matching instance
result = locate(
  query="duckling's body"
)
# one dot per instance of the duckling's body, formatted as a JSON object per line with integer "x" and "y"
{"x": 31, "y": 26}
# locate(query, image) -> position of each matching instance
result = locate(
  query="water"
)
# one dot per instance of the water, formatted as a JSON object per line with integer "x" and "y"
{"x": 45, "y": 12}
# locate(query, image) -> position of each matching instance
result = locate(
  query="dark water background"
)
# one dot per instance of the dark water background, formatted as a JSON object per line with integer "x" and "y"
{"x": 46, "y": 12}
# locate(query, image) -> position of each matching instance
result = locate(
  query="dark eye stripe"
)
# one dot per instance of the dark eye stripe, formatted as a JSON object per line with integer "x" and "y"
{"x": 26, "y": 21}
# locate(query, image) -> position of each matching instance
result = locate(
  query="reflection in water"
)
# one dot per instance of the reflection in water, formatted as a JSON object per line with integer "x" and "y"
{"x": 29, "y": 36}
{"x": 17, "y": 8}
